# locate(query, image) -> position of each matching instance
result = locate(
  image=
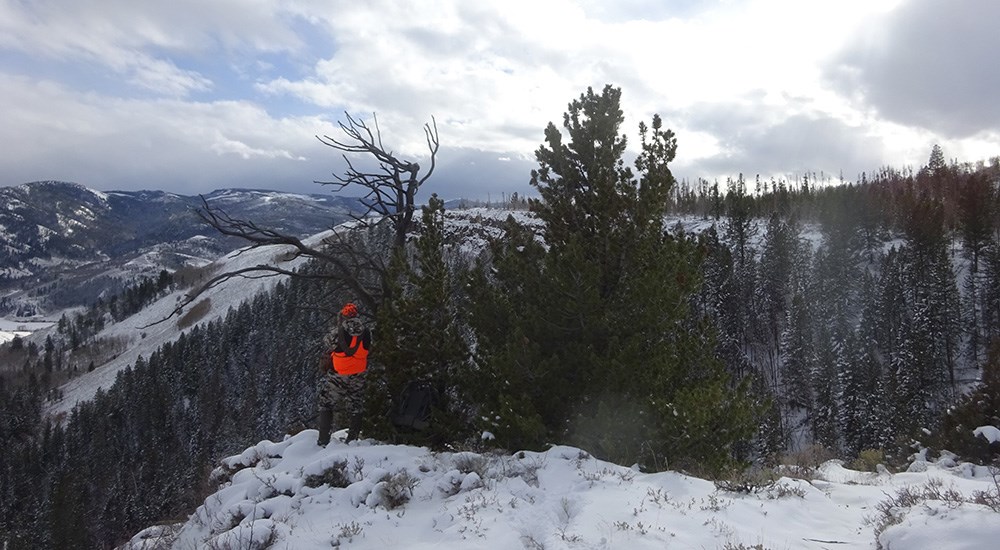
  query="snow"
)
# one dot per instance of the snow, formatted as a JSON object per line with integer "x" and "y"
{"x": 936, "y": 524}
{"x": 142, "y": 337}
{"x": 394, "y": 496}
{"x": 268, "y": 196}
{"x": 990, "y": 433}
{"x": 7, "y": 336}
{"x": 9, "y": 328}
{"x": 18, "y": 325}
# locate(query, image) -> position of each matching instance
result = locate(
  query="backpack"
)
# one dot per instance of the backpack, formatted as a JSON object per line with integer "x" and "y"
{"x": 414, "y": 409}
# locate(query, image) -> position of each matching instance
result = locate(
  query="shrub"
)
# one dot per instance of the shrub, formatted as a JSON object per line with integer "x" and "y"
{"x": 740, "y": 546}
{"x": 471, "y": 462}
{"x": 868, "y": 460}
{"x": 892, "y": 510}
{"x": 347, "y": 533}
{"x": 990, "y": 497}
{"x": 802, "y": 464}
{"x": 749, "y": 481}
{"x": 785, "y": 490}
{"x": 334, "y": 476}
{"x": 395, "y": 490}
{"x": 195, "y": 314}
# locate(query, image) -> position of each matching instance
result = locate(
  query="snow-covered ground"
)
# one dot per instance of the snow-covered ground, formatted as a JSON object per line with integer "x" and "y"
{"x": 9, "y": 328}
{"x": 366, "y": 495}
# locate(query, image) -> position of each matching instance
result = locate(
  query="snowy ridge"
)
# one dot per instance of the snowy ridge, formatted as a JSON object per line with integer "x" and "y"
{"x": 366, "y": 495}
{"x": 143, "y": 341}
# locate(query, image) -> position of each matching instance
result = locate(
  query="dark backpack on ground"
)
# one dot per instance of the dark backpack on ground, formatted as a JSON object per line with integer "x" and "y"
{"x": 414, "y": 409}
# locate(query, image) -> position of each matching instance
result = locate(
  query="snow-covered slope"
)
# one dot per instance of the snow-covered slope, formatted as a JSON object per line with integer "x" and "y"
{"x": 140, "y": 341}
{"x": 468, "y": 229}
{"x": 294, "y": 494}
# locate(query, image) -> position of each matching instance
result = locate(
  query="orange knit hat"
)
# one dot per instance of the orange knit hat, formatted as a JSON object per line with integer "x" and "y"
{"x": 349, "y": 310}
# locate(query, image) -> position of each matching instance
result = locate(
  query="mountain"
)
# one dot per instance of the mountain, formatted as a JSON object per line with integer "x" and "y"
{"x": 63, "y": 244}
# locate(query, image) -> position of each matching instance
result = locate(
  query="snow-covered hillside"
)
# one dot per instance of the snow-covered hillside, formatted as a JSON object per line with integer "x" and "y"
{"x": 294, "y": 494}
{"x": 469, "y": 229}
{"x": 142, "y": 337}
{"x": 11, "y": 328}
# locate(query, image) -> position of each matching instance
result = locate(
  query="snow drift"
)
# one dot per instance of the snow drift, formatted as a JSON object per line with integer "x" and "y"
{"x": 366, "y": 495}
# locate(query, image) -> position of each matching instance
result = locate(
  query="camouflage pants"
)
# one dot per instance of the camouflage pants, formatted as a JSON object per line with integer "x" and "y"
{"x": 345, "y": 395}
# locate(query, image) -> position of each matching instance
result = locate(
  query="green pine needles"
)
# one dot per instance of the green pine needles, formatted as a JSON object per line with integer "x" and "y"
{"x": 591, "y": 339}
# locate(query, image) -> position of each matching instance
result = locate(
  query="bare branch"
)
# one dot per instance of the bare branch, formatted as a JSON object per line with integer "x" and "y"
{"x": 389, "y": 197}
{"x": 346, "y": 259}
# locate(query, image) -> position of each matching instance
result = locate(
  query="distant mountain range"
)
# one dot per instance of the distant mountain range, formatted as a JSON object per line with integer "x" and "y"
{"x": 63, "y": 244}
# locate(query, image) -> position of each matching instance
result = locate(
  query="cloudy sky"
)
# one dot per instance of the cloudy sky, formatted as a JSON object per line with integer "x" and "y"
{"x": 196, "y": 95}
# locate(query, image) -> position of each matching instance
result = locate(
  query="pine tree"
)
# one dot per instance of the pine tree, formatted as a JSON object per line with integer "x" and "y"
{"x": 419, "y": 338}
{"x": 718, "y": 299}
{"x": 739, "y": 229}
{"x": 932, "y": 295}
{"x": 609, "y": 336}
{"x": 507, "y": 297}
{"x": 778, "y": 257}
{"x": 831, "y": 350}
{"x": 800, "y": 356}
{"x": 976, "y": 204}
{"x": 863, "y": 421}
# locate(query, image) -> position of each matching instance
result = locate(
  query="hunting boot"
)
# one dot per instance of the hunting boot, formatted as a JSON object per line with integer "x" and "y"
{"x": 325, "y": 423}
{"x": 355, "y": 429}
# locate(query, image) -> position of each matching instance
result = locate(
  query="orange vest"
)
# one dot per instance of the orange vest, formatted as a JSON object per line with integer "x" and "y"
{"x": 351, "y": 364}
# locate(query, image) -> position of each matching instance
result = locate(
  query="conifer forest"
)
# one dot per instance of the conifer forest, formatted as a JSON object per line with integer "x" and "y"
{"x": 689, "y": 325}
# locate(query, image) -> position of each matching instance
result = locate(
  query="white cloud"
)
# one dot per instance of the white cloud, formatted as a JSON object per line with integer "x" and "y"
{"x": 165, "y": 78}
{"x": 136, "y": 39}
{"x": 112, "y": 143}
{"x": 725, "y": 75}
{"x": 224, "y": 145}
{"x": 927, "y": 64}
{"x": 500, "y": 71}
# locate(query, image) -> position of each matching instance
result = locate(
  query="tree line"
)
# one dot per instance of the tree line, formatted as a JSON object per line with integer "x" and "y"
{"x": 865, "y": 312}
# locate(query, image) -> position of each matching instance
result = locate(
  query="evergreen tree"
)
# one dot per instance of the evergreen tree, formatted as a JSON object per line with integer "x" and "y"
{"x": 800, "y": 356}
{"x": 863, "y": 413}
{"x": 831, "y": 350}
{"x": 626, "y": 371}
{"x": 976, "y": 204}
{"x": 773, "y": 293}
{"x": 719, "y": 299}
{"x": 980, "y": 407}
{"x": 419, "y": 338}
{"x": 933, "y": 296}
{"x": 740, "y": 227}
{"x": 507, "y": 297}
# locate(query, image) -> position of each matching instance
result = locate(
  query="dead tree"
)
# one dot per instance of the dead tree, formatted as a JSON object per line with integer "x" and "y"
{"x": 351, "y": 261}
{"x": 392, "y": 186}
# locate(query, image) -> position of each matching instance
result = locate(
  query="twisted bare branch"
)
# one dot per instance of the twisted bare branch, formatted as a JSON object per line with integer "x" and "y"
{"x": 390, "y": 187}
{"x": 389, "y": 197}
